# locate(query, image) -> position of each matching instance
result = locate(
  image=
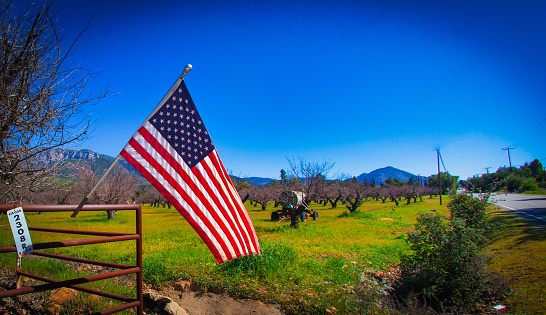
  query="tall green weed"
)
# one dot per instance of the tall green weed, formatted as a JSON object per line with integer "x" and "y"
{"x": 273, "y": 261}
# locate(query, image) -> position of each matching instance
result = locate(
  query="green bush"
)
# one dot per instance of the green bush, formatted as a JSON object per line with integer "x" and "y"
{"x": 528, "y": 185}
{"x": 472, "y": 211}
{"x": 446, "y": 270}
{"x": 514, "y": 182}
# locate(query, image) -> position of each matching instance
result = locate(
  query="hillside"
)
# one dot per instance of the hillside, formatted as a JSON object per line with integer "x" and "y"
{"x": 381, "y": 175}
{"x": 74, "y": 161}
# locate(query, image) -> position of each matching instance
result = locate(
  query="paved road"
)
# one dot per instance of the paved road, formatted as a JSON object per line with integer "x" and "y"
{"x": 532, "y": 206}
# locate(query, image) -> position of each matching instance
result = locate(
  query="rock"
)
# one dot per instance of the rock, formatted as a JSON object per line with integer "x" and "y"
{"x": 170, "y": 306}
{"x": 156, "y": 298}
{"x": 173, "y": 308}
{"x": 61, "y": 295}
{"x": 54, "y": 308}
{"x": 57, "y": 298}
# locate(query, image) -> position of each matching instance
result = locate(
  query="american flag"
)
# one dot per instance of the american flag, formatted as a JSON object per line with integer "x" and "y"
{"x": 174, "y": 152}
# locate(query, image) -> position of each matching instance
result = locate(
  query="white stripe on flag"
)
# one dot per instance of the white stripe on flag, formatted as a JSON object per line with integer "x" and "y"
{"x": 213, "y": 169}
{"x": 175, "y": 175}
{"x": 230, "y": 209}
{"x": 249, "y": 227}
{"x": 159, "y": 177}
{"x": 172, "y": 152}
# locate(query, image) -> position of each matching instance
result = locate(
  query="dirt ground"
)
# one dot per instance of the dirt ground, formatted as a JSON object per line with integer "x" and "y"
{"x": 186, "y": 294}
{"x": 213, "y": 303}
{"x": 195, "y": 302}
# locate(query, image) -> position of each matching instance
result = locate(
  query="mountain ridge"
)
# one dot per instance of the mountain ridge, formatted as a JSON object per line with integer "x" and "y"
{"x": 380, "y": 175}
{"x": 85, "y": 158}
{"x": 75, "y": 160}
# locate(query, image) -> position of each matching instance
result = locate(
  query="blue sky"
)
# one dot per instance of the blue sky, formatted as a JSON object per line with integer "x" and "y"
{"x": 363, "y": 84}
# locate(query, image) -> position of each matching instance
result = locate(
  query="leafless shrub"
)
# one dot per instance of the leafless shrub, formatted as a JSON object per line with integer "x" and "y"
{"x": 42, "y": 97}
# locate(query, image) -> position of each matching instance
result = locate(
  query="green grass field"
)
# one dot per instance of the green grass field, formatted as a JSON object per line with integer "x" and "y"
{"x": 518, "y": 252}
{"x": 308, "y": 270}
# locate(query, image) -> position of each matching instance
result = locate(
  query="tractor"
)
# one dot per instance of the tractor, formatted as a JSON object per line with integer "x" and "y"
{"x": 293, "y": 202}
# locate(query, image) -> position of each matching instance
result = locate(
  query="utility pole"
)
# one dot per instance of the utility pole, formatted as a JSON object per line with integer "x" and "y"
{"x": 509, "y": 161}
{"x": 439, "y": 178}
{"x": 487, "y": 169}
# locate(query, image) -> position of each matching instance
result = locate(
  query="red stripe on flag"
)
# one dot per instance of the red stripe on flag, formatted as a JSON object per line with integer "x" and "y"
{"x": 231, "y": 219}
{"x": 191, "y": 184}
{"x": 214, "y": 173}
{"x": 146, "y": 156}
{"x": 142, "y": 170}
{"x": 221, "y": 190}
{"x": 235, "y": 196}
{"x": 237, "y": 204}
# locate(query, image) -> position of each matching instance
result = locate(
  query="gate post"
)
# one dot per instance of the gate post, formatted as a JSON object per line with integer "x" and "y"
{"x": 140, "y": 307}
{"x": 17, "y": 270}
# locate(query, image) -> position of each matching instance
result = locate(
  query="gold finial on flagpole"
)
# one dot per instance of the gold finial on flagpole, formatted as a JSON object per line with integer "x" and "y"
{"x": 187, "y": 69}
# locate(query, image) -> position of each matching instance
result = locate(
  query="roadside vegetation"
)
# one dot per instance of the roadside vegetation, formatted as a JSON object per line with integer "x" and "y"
{"x": 446, "y": 269}
{"x": 529, "y": 178}
{"x": 517, "y": 251}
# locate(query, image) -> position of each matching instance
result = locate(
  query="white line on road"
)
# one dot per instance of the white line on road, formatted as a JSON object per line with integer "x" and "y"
{"x": 535, "y": 217}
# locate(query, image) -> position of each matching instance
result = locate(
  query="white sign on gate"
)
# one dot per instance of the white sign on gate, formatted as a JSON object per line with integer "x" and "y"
{"x": 20, "y": 231}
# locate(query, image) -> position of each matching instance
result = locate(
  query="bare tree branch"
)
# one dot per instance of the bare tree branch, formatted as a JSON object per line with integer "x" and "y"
{"x": 42, "y": 98}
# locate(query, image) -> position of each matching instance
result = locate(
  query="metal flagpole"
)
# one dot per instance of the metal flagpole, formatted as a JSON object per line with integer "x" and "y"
{"x": 187, "y": 69}
{"x": 86, "y": 198}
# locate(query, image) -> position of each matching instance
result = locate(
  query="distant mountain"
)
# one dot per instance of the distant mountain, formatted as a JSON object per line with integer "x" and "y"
{"x": 55, "y": 155}
{"x": 76, "y": 160}
{"x": 381, "y": 175}
{"x": 258, "y": 181}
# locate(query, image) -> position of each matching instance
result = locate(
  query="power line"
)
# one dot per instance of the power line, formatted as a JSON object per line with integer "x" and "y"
{"x": 529, "y": 136}
{"x": 497, "y": 159}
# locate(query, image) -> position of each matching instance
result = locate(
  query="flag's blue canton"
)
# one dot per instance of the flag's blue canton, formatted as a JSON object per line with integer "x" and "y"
{"x": 180, "y": 124}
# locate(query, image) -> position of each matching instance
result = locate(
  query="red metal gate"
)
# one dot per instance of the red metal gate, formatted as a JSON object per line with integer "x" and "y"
{"x": 105, "y": 237}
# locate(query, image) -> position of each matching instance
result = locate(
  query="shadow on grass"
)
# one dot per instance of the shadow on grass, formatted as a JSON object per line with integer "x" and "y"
{"x": 517, "y": 251}
{"x": 522, "y": 228}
